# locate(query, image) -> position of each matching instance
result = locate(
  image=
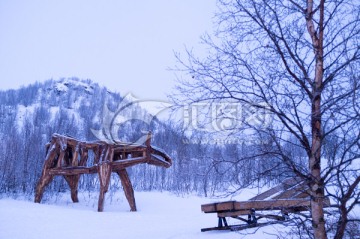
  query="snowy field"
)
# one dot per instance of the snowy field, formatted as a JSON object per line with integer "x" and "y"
{"x": 159, "y": 215}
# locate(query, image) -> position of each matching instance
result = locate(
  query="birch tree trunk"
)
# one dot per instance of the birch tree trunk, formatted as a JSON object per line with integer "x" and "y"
{"x": 316, "y": 184}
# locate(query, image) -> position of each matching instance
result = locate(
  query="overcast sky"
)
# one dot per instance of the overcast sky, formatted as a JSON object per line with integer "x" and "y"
{"x": 125, "y": 45}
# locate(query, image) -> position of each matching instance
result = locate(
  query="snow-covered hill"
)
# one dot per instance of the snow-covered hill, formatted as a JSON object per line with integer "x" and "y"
{"x": 74, "y": 107}
{"x": 84, "y": 109}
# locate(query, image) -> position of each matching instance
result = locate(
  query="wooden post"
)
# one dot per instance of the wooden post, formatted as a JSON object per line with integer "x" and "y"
{"x": 43, "y": 182}
{"x": 75, "y": 150}
{"x": 73, "y": 182}
{"x": 104, "y": 178}
{"x": 45, "y": 178}
{"x": 84, "y": 156}
{"x": 128, "y": 188}
{"x": 104, "y": 173}
{"x": 148, "y": 147}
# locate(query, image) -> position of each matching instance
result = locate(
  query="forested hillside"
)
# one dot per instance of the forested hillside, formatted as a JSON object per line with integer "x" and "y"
{"x": 30, "y": 115}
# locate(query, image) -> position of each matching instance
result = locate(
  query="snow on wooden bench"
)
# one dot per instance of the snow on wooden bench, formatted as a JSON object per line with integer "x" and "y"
{"x": 288, "y": 197}
{"x": 68, "y": 157}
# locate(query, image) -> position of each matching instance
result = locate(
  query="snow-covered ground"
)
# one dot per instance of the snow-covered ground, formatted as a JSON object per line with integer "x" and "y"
{"x": 160, "y": 215}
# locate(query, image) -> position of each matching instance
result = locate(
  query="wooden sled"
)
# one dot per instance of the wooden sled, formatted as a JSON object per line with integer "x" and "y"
{"x": 288, "y": 197}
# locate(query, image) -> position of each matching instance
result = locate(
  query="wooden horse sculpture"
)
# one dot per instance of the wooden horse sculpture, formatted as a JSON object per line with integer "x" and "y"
{"x": 68, "y": 157}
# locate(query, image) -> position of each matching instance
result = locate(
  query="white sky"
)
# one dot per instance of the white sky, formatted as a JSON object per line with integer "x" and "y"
{"x": 125, "y": 45}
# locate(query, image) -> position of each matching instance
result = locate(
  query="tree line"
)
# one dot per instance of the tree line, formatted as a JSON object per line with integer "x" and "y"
{"x": 31, "y": 114}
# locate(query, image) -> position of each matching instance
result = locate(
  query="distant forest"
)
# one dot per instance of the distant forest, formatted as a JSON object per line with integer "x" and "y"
{"x": 31, "y": 114}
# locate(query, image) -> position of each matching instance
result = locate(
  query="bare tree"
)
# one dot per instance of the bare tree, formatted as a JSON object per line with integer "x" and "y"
{"x": 296, "y": 59}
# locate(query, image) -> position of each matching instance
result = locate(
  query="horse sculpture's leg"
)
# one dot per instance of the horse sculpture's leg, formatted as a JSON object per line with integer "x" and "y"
{"x": 128, "y": 188}
{"x": 46, "y": 177}
{"x": 43, "y": 182}
{"x": 73, "y": 181}
{"x": 104, "y": 178}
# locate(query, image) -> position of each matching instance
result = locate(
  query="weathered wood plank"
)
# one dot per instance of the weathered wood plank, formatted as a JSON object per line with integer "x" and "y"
{"x": 233, "y": 213}
{"x": 156, "y": 152}
{"x": 233, "y": 208}
{"x": 255, "y": 204}
{"x": 218, "y": 207}
{"x": 73, "y": 170}
{"x": 121, "y": 164}
{"x": 159, "y": 161}
{"x": 292, "y": 192}
{"x": 287, "y": 183}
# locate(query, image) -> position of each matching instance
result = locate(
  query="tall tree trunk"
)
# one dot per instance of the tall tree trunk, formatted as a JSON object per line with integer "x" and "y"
{"x": 316, "y": 183}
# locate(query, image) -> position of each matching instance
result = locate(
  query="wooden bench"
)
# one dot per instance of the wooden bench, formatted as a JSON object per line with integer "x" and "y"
{"x": 288, "y": 197}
